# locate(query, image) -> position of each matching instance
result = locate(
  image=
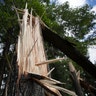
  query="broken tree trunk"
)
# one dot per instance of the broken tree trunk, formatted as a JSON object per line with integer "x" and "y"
{"x": 32, "y": 64}
{"x": 30, "y": 53}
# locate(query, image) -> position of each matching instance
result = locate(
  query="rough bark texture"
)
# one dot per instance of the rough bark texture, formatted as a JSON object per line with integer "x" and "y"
{"x": 30, "y": 88}
{"x": 67, "y": 48}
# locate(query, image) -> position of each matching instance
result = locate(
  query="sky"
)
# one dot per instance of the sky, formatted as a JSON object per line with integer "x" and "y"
{"x": 74, "y": 3}
{"x": 91, "y": 2}
{"x": 79, "y": 3}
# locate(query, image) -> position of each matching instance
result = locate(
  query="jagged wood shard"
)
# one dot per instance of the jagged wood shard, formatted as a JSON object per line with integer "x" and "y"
{"x": 49, "y": 61}
{"x": 30, "y": 46}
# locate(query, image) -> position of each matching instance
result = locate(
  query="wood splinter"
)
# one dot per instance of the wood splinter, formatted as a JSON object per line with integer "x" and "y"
{"x": 49, "y": 61}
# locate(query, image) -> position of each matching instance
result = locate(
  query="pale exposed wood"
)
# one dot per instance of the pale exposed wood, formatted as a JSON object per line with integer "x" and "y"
{"x": 71, "y": 67}
{"x": 52, "y": 85}
{"x": 50, "y": 71}
{"x": 30, "y": 46}
{"x": 49, "y": 61}
{"x": 49, "y": 89}
{"x": 34, "y": 75}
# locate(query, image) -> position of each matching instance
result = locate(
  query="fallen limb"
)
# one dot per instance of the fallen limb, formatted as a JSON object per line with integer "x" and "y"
{"x": 68, "y": 48}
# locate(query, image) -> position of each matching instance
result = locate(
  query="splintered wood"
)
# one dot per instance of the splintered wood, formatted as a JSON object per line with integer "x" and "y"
{"x": 30, "y": 49}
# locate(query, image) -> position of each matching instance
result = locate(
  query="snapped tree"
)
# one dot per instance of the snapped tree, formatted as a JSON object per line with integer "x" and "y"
{"x": 10, "y": 29}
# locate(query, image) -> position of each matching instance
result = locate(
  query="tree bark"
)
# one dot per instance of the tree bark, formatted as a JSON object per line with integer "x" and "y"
{"x": 30, "y": 88}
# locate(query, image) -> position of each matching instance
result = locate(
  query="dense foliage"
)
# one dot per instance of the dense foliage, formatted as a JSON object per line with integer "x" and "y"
{"x": 61, "y": 18}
